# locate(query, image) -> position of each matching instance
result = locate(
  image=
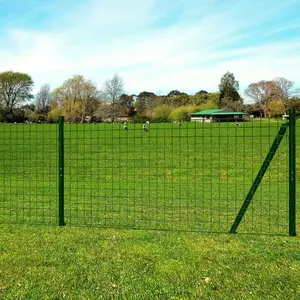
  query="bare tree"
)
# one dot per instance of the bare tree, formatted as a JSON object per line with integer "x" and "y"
{"x": 43, "y": 99}
{"x": 285, "y": 91}
{"x": 113, "y": 88}
{"x": 262, "y": 93}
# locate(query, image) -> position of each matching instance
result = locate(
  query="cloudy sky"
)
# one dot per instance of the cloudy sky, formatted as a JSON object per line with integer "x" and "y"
{"x": 154, "y": 45}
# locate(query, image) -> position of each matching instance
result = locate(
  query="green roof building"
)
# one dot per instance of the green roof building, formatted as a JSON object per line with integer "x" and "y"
{"x": 217, "y": 115}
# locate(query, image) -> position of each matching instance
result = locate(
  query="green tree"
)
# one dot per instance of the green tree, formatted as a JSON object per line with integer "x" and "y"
{"x": 76, "y": 98}
{"x": 28, "y": 110}
{"x": 233, "y": 105}
{"x": 178, "y": 100}
{"x": 141, "y": 102}
{"x": 228, "y": 88}
{"x": 199, "y": 98}
{"x": 202, "y": 92}
{"x": 175, "y": 93}
{"x": 125, "y": 105}
{"x": 15, "y": 89}
{"x": 214, "y": 98}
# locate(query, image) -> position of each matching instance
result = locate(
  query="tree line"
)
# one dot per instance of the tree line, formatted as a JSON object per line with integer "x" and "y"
{"x": 80, "y": 100}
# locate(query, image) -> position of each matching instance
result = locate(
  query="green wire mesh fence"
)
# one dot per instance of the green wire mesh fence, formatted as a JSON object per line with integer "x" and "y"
{"x": 28, "y": 173}
{"x": 168, "y": 176}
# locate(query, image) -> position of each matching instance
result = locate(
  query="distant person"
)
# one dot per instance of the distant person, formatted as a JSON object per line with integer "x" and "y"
{"x": 144, "y": 127}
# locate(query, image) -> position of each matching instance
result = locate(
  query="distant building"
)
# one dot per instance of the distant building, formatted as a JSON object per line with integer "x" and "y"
{"x": 106, "y": 119}
{"x": 121, "y": 118}
{"x": 217, "y": 115}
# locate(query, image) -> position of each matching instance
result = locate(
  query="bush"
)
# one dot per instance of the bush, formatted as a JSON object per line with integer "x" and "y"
{"x": 182, "y": 113}
{"x": 17, "y": 115}
{"x": 139, "y": 119}
{"x": 37, "y": 118}
{"x": 161, "y": 120}
{"x": 161, "y": 113}
{"x": 276, "y": 108}
{"x": 210, "y": 104}
{"x": 53, "y": 115}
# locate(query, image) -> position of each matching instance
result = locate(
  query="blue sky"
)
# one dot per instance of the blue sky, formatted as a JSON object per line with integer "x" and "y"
{"x": 154, "y": 45}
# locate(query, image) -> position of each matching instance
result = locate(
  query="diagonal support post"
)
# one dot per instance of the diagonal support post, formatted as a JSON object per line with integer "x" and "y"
{"x": 259, "y": 177}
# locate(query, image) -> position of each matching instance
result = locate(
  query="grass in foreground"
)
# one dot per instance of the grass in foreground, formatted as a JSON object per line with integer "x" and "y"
{"x": 89, "y": 263}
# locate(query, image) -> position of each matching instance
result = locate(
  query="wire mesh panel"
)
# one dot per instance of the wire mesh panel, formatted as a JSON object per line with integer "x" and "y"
{"x": 28, "y": 173}
{"x": 175, "y": 176}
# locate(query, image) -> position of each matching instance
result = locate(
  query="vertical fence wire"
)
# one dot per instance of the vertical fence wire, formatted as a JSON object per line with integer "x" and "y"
{"x": 28, "y": 173}
{"x": 149, "y": 175}
{"x": 169, "y": 176}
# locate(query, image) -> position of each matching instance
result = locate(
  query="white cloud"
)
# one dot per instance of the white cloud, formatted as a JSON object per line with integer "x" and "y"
{"x": 99, "y": 39}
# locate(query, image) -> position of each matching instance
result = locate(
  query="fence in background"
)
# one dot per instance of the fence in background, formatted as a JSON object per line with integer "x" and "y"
{"x": 212, "y": 177}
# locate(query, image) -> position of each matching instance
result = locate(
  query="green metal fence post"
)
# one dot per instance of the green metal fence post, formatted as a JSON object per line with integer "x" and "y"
{"x": 61, "y": 200}
{"x": 292, "y": 172}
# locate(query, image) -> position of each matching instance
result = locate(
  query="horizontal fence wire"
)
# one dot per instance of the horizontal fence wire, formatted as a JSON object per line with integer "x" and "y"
{"x": 175, "y": 176}
{"x": 28, "y": 173}
{"x": 185, "y": 176}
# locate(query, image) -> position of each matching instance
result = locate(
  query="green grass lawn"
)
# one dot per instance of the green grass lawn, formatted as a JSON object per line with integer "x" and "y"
{"x": 193, "y": 178}
{"x": 38, "y": 262}
{"x": 172, "y": 179}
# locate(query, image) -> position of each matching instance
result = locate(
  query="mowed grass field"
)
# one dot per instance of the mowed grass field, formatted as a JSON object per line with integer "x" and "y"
{"x": 192, "y": 177}
{"x": 173, "y": 179}
{"x": 39, "y": 262}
